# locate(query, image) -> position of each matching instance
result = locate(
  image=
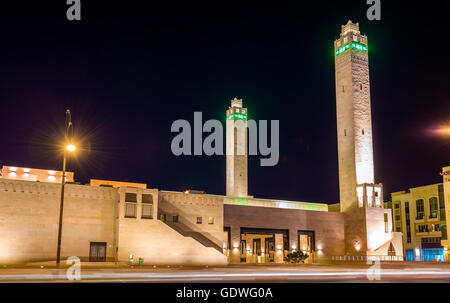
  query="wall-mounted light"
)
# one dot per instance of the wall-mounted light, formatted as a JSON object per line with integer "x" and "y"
{"x": 357, "y": 247}
{"x": 13, "y": 169}
{"x": 51, "y": 172}
{"x": 26, "y": 170}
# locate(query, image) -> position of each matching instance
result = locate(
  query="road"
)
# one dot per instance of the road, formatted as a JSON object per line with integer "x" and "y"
{"x": 243, "y": 273}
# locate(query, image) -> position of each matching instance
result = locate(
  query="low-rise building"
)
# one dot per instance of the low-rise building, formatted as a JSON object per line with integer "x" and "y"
{"x": 419, "y": 213}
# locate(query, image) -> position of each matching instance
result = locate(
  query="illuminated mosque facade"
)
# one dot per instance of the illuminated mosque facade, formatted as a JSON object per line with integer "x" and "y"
{"x": 122, "y": 221}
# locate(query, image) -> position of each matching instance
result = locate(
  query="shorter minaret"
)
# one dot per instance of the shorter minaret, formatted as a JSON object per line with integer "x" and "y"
{"x": 236, "y": 151}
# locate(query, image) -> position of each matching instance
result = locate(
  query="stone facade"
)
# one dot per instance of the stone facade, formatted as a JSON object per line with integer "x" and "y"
{"x": 236, "y": 149}
{"x": 328, "y": 227}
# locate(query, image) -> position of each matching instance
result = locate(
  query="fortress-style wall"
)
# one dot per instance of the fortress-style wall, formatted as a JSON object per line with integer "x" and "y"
{"x": 29, "y": 214}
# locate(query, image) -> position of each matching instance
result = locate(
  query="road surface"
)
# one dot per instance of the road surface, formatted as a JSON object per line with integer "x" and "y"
{"x": 238, "y": 273}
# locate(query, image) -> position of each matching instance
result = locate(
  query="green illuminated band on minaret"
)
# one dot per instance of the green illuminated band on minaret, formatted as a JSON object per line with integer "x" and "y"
{"x": 355, "y": 45}
{"x": 237, "y": 116}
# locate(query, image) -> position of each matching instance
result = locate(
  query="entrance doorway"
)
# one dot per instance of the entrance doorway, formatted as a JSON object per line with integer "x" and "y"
{"x": 97, "y": 252}
{"x": 258, "y": 244}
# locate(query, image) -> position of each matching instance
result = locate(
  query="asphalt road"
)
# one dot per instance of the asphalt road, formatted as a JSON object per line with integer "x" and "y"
{"x": 306, "y": 273}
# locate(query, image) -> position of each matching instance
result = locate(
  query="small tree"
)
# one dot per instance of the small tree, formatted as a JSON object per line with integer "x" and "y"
{"x": 296, "y": 257}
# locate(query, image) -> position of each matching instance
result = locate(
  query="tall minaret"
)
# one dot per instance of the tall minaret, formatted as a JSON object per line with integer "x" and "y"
{"x": 236, "y": 149}
{"x": 354, "y": 121}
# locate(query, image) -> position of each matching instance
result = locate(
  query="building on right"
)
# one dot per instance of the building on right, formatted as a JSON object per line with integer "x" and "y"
{"x": 445, "y": 212}
{"x": 419, "y": 213}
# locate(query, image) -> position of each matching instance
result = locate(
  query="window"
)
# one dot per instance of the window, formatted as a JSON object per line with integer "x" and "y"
{"x": 199, "y": 220}
{"x": 386, "y": 226}
{"x": 345, "y": 132}
{"x": 147, "y": 211}
{"x": 175, "y": 219}
{"x": 419, "y": 209}
{"x": 363, "y": 131}
{"x": 398, "y": 229}
{"x": 130, "y": 197}
{"x": 422, "y": 228}
{"x": 147, "y": 206}
{"x": 130, "y": 210}
{"x": 435, "y": 227}
{"x": 343, "y": 90}
{"x": 211, "y": 220}
{"x": 360, "y": 86}
{"x": 397, "y": 205}
{"x": 147, "y": 198}
{"x": 433, "y": 207}
{"x": 397, "y": 218}
{"x": 408, "y": 224}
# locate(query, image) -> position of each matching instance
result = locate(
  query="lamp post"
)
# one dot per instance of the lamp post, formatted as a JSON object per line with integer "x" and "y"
{"x": 68, "y": 148}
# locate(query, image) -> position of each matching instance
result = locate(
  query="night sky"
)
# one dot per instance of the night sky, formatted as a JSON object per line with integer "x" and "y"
{"x": 127, "y": 71}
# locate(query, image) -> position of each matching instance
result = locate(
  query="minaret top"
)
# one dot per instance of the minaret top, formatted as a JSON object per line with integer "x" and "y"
{"x": 350, "y": 27}
{"x": 236, "y": 102}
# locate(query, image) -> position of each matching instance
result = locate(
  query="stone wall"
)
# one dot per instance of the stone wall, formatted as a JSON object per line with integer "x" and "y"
{"x": 29, "y": 215}
{"x": 328, "y": 227}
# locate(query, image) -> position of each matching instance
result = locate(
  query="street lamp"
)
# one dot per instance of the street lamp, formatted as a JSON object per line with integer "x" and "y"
{"x": 69, "y": 148}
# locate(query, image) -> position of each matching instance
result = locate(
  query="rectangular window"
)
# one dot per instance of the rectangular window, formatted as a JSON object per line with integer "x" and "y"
{"x": 147, "y": 198}
{"x": 211, "y": 220}
{"x": 433, "y": 207}
{"x": 130, "y": 210}
{"x": 147, "y": 211}
{"x": 175, "y": 219}
{"x": 408, "y": 224}
{"x": 199, "y": 220}
{"x": 422, "y": 228}
{"x": 130, "y": 197}
{"x": 386, "y": 226}
{"x": 419, "y": 209}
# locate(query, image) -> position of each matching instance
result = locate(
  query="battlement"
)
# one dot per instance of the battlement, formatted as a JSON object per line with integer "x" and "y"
{"x": 52, "y": 189}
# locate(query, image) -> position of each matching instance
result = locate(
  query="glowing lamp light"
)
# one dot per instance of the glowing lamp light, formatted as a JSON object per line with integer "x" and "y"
{"x": 51, "y": 172}
{"x": 26, "y": 170}
{"x": 357, "y": 247}
{"x": 235, "y": 245}
{"x": 13, "y": 169}
{"x": 70, "y": 147}
{"x": 319, "y": 246}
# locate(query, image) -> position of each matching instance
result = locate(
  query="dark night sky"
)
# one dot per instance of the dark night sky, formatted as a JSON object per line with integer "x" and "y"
{"x": 127, "y": 71}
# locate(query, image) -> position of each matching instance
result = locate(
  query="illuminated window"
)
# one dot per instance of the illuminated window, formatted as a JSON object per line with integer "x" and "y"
{"x": 211, "y": 220}
{"x": 175, "y": 219}
{"x": 433, "y": 207}
{"x": 419, "y": 209}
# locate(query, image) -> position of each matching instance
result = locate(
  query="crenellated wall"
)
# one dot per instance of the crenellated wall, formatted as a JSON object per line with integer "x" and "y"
{"x": 29, "y": 215}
